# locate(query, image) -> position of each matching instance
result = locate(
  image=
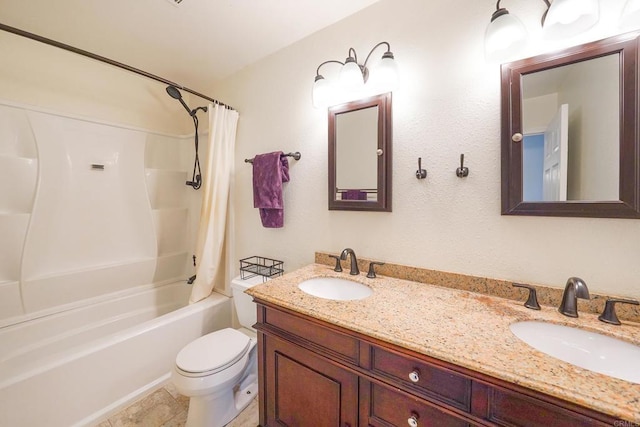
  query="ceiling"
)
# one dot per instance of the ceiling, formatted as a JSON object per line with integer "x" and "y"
{"x": 191, "y": 44}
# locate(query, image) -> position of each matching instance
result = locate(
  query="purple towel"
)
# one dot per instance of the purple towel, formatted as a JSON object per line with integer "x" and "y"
{"x": 354, "y": 195}
{"x": 270, "y": 170}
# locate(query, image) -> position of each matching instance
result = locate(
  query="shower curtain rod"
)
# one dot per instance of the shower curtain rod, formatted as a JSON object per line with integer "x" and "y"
{"x": 91, "y": 55}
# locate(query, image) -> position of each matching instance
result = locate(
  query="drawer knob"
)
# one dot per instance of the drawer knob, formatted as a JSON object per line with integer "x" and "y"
{"x": 414, "y": 376}
{"x": 413, "y": 420}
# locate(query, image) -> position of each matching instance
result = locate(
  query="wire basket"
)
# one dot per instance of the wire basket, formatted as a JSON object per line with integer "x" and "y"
{"x": 260, "y": 266}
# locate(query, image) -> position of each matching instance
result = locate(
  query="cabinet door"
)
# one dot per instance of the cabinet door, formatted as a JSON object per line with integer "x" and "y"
{"x": 304, "y": 389}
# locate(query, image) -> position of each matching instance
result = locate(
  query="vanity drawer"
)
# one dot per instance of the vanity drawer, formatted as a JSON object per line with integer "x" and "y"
{"x": 385, "y": 406}
{"x": 423, "y": 378}
{"x": 506, "y": 408}
{"x": 304, "y": 332}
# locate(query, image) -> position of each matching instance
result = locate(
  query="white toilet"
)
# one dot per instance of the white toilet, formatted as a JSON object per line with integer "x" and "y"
{"x": 219, "y": 371}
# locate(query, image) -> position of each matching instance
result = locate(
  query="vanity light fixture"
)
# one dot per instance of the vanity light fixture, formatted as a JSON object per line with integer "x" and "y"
{"x": 567, "y": 18}
{"x": 353, "y": 81}
{"x": 505, "y": 34}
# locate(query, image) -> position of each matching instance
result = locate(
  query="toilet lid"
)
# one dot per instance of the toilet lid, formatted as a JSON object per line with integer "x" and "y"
{"x": 213, "y": 352}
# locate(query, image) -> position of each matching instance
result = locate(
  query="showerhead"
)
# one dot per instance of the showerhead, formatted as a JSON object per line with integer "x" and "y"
{"x": 174, "y": 92}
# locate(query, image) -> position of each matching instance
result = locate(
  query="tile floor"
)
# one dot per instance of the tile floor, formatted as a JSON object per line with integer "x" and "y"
{"x": 165, "y": 407}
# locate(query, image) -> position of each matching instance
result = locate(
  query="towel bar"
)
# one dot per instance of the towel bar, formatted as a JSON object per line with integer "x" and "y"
{"x": 295, "y": 155}
{"x": 364, "y": 190}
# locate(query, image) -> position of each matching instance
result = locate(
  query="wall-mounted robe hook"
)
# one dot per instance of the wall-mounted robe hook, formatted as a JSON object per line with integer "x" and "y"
{"x": 462, "y": 171}
{"x": 421, "y": 173}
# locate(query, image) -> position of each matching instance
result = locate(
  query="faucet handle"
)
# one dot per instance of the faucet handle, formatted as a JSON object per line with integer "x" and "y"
{"x": 338, "y": 266}
{"x": 532, "y": 300}
{"x": 609, "y": 313}
{"x": 372, "y": 273}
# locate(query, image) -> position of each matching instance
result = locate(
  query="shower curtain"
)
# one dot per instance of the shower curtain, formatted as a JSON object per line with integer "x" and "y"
{"x": 216, "y": 219}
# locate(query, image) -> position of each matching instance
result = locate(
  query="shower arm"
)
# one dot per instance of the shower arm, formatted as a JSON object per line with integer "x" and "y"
{"x": 193, "y": 112}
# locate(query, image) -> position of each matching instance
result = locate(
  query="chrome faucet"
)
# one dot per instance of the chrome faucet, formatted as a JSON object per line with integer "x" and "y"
{"x": 574, "y": 289}
{"x": 354, "y": 261}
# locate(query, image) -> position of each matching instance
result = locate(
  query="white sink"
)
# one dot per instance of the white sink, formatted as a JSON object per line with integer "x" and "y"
{"x": 589, "y": 350}
{"x": 335, "y": 289}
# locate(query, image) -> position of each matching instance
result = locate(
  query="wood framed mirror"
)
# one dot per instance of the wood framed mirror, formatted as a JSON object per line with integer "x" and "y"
{"x": 360, "y": 141}
{"x": 570, "y": 142}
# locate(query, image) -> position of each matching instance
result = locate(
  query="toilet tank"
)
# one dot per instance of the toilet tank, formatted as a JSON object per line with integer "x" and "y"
{"x": 245, "y": 307}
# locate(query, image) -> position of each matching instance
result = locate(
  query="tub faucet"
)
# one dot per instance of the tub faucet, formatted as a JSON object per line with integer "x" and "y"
{"x": 354, "y": 261}
{"x": 574, "y": 289}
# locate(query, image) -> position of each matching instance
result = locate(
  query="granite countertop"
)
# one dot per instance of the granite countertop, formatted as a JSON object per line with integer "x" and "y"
{"x": 464, "y": 328}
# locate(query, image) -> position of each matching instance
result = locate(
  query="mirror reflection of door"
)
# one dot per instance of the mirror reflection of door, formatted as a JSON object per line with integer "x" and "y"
{"x": 556, "y": 137}
{"x": 592, "y": 91}
{"x": 545, "y": 161}
{"x": 356, "y": 155}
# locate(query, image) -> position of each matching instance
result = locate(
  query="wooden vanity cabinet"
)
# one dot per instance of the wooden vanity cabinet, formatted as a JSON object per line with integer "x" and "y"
{"x": 316, "y": 374}
{"x": 307, "y": 389}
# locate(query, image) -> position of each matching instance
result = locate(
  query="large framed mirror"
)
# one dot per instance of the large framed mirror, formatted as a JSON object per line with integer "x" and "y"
{"x": 360, "y": 134}
{"x": 570, "y": 143}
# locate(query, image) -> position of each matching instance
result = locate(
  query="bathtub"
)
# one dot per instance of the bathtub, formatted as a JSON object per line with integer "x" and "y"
{"x": 79, "y": 365}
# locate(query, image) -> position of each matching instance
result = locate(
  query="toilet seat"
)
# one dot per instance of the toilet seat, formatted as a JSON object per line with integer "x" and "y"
{"x": 212, "y": 353}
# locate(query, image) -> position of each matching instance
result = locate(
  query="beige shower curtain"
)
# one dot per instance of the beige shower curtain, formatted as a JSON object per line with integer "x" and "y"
{"x": 216, "y": 214}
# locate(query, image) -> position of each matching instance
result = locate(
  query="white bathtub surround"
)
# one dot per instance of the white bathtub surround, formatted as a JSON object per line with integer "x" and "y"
{"x": 97, "y": 231}
{"x": 18, "y": 178}
{"x": 88, "y": 209}
{"x": 98, "y": 358}
{"x": 216, "y": 215}
{"x": 91, "y": 226}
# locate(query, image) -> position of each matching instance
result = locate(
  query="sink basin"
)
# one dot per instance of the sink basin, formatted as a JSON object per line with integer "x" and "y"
{"x": 335, "y": 289}
{"x": 588, "y": 350}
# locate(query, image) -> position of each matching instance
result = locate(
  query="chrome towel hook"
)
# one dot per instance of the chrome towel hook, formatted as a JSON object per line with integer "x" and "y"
{"x": 462, "y": 171}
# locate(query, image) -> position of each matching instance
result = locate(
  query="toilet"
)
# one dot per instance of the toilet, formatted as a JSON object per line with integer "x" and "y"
{"x": 219, "y": 371}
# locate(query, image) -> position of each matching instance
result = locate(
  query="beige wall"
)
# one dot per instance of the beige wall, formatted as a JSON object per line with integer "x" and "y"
{"x": 448, "y": 103}
{"x": 37, "y": 75}
{"x": 538, "y": 112}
